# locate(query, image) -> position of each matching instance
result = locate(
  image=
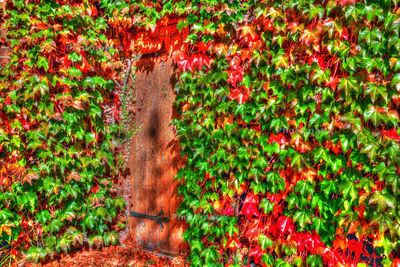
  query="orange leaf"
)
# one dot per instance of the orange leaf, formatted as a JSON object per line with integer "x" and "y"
{"x": 339, "y": 243}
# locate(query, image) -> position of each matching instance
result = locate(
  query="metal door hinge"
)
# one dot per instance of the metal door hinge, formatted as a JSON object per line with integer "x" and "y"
{"x": 160, "y": 220}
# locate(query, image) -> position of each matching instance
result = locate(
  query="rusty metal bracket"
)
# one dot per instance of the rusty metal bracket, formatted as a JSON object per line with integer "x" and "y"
{"x": 160, "y": 220}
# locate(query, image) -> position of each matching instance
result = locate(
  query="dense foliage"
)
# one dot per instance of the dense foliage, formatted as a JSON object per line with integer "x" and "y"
{"x": 58, "y": 161}
{"x": 289, "y": 124}
{"x": 289, "y": 116}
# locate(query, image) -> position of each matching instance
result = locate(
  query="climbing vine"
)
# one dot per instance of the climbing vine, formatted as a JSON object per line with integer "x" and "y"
{"x": 58, "y": 161}
{"x": 289, "y": 117}
{"x": 288, "y": 121}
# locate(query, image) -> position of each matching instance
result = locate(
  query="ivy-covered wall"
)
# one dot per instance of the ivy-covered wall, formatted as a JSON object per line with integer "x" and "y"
{"x": 58, "y": 158}
{"x": 289, "y": 116}
{"x": 290, "y": 128}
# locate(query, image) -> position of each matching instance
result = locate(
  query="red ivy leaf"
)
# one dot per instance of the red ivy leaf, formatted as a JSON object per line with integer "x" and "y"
{"x": 201, "y": 47}
{"x": 84, "y": 67}
{"x": 250, "y": 209}
{"x": 240, "y": 94}
{"x": 251, "y": 198}
{"x": 235, "y": 76}
{"x": 199, "y": 61}
{"x": 95, "y": 189}
{"x": 256, "y": 253}
{"x": 233, "y": 244}
{"x": 391, "y": 134}
{"x": 25, "y": 124}
{"x": 307, "y": 241}
{"x": 381, "y": 110}
{"x": 356, "y": 247}
{"x": 228, "y": 211}
{"x": 279, "y": 138}
{"x": 319, "y": 60}
{"x": 268, "y": 26}
{"x": 7, "y": 101}
{"x": 235, "y": 62}
{"x": 344, "y": 2}
{"x": 250, "y": 206}
{"x": 67, "y": 61}
{"x": 283, "y": 225}
{"x": 184, "y": 65}
{"x": 344, "y": 34}
{"x": 274, "y": 197}
{"x": 254, "y": 228}
{"x": 333, "y": 83}
{"x": 331, "y": 257}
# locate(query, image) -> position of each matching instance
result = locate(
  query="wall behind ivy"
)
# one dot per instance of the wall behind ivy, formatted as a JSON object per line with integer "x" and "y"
{"x": 289, "y": 116}
{"x": 59, "y": 159}
{"x": 290, "y": 128}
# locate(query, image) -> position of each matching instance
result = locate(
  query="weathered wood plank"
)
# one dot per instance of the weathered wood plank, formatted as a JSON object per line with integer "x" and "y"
{"x": 155, "y": 160}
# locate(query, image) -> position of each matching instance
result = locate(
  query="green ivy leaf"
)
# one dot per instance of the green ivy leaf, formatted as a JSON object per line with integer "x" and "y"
{"x": 266, "y": 205}
{"x": 43, "y": 63}
{"x": 265, "y": 242}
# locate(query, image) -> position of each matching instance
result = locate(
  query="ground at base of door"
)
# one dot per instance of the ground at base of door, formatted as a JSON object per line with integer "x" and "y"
{"x": 127, "y": 254}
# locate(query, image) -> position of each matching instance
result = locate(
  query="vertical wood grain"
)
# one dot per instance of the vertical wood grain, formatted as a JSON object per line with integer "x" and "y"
{"x": 154, "y": 159}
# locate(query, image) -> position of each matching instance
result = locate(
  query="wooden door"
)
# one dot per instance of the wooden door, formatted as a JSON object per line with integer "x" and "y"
{"x": 4, "y": 50}
{"x": 154, "y": 157}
